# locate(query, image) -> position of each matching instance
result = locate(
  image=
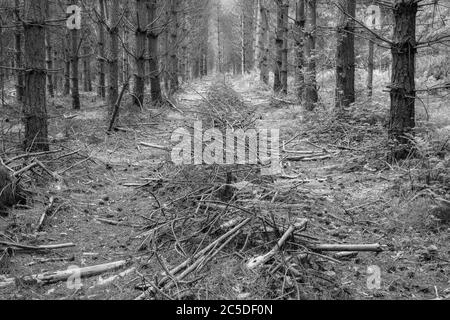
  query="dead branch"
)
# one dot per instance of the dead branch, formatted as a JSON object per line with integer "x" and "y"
{"x": 19, "y": 247}
{"x": 64, "y": 275}
{"x": 348, "y": 247}
{"x": 261, "y": 260}
{"x": 117, "y": 107}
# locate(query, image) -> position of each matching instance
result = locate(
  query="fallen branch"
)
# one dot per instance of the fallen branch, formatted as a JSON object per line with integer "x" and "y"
{"x": 25, "y": 169}
{"x": 174, "y": 106}
{"x": 258, "y": 261}
{"x": 64, "y": 275}
{"x": 198, "y": 259}
{"x": 348, "y": 247}
{"x": 29, "y": 155}
{"x": 46, "y": 213}
{"x": 117, "y": 107}
{"x": 307, "y": 158}
{"x": 18, "y": 246}
{"x": 103, "y": 282}
{"x": 154, "y": 146}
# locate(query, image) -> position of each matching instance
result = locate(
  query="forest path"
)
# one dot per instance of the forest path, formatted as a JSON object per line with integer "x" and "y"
{"x": 344, "y": 198}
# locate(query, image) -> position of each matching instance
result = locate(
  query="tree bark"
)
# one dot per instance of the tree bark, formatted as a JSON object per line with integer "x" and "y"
{"x": 284, "y": 52}
{"x": 184, "y": 43}
{"x": 258, "y": 37}
{"x": 345, "y": 57}
{"x": 86, "y": 68}
{"x": 34, "y": 104}
{"x": 311, "y": 96}
{"x": 18, "y": 52}
{"x": 140, "y": 36}
{"x": 174, "y": 26}
{"x": 74, "y": 63}
{"x": 2, "y": 71}
{"x": 101, "y": 52}
{"x": 66, "y": 90}
{"x": 113, "y": 59}
{"x": 264, "y": 45}
{"x": 153, "y": 37}
{"x": 277, "y": 85}
{"x": 48, "y": 54}
{"x": 370, "y": 68}
{"x": 300, "y": 21}
{"x": 56, "y": 75}
{"x": 402, "y": 113}
{"x": 243, "y": 60}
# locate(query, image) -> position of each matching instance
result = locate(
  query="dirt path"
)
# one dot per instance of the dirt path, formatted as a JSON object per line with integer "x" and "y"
{"x": 344, "y": 197}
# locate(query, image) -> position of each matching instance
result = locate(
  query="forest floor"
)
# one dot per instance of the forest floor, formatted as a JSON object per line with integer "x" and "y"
{"x": 113, "y": 188}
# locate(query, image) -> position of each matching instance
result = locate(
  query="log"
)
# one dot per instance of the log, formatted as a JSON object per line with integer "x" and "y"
{"x": 261, "y": 260}
{"x": 64, "y": 275}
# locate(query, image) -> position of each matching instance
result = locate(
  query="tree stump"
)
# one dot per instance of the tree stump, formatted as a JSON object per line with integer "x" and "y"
{"x": 10, "y": 192}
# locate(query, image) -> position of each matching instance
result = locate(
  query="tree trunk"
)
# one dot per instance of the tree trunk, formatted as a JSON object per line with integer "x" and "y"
{"x": 56, "y": 75}
{"x": 113, "y": 83}
{"x": 74, "y": 61}
{"x": 66, "y": 91}
{"x": 277, "y": 85}
{"x": 34, "y": 106}
{"x": 2, "y": 71}
{"x": 166, "y": 48}
{"x": 264, "y": 45}
{"x": 258, "y": 37}
{"x": 174, "y": 84}
{"x": 140, "y": 36}
{"x": 243, "y": 60}
{"x": 311, "y": 96}
{"x": 184, "y": 44}
{"x": 101, "y": 52}
{"x": 219, "y": 46}
{"x": 370, "y": 67}
{"x": 48, "y": 54}
{"x": 402, "y": 119}
{"x": 300, "y": 20}
{"x": 345, "y": 57}
{"x": 152, "y": 34}
{"x": 125, "y": 57}
{"x": 86, "y": 68}
{"x": 284, "y": 52}
{"x": 18, "y": 52}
